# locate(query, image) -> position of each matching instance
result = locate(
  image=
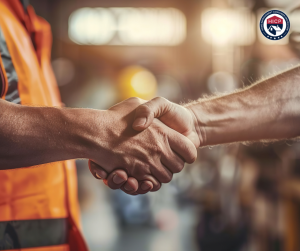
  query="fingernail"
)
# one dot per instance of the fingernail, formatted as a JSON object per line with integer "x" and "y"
{"x": 140, "y": 122}
{"x": 117, "y": 179}
{"x": 145, "y": 186}
{"x": 97, "y": 176}
{"x": 128, "y": 188}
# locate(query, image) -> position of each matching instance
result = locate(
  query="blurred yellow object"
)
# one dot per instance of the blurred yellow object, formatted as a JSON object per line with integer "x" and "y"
{"x": 136, "y": 81}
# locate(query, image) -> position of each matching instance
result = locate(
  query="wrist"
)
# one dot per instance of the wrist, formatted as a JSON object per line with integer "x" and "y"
{"x": 83, "y": 129}
{"x": 198, "y": 123}
{"x": 219, "y": 120}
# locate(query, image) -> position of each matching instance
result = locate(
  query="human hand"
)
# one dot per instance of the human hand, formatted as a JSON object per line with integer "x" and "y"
{"x": 151, "y": 156}
{"x": 177, "y": 117}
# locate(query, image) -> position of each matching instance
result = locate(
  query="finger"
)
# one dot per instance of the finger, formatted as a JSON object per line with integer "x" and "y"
{"x": 173, "y": 162}
{"x": 146, "y": 112}
{"x": 130, "y": 186}
{"x": 142, "y": 187}
{"x": 161, "y": 173}
{"x": 156, "y": 188}
{"x": 182, "y": 146}
{"x": 148, "y": 184}
{"x": 114, "y": 180}
{"x": 145, "y": 187}
{"x": 151, "y": 181}
{"x": 143, "y": 172}
{"x": 117, "y": 179}
{"x": 97, "y": 171}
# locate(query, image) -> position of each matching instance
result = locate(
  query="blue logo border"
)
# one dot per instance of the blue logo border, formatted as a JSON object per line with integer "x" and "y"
{"x": 270, "y": 12}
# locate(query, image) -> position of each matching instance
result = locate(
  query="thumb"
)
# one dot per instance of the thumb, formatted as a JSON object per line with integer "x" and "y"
{"x": 146, "y": 112}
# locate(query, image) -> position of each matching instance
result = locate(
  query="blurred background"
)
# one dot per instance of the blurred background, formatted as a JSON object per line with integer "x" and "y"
{"x": 241, "y": 197}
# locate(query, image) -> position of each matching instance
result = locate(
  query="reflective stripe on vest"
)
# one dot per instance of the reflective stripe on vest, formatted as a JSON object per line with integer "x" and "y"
{"x": 33, "y": 233}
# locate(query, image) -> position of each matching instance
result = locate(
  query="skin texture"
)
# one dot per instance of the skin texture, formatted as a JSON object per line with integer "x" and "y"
{"x": 266, "y": 111}
{"x": 36, "y": 135}
{"x": 153, "y": 155}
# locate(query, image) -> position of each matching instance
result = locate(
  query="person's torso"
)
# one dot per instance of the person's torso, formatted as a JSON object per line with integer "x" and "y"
{"x": 45, "y": 192}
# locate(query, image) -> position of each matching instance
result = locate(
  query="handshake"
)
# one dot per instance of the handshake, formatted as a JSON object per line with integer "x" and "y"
{"x": 144, "y": 144}
{"x": 139, "y": 152}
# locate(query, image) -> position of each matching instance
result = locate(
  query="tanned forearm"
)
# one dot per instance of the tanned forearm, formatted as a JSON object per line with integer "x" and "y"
{"x": 267, "y": 110}
{"x": 36, "y": 135}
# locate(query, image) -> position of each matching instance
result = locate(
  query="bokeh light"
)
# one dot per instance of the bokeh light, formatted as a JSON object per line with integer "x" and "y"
{"x": 127, "y": 26}
{"x": 227, "y": 26}
{"x": 136, "y": 81}
{"x": 92, "y": 26}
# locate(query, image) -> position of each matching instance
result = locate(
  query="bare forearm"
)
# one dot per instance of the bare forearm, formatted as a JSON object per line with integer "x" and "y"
{"x": 36, "y": 135}
{"x": 265, "y": 111}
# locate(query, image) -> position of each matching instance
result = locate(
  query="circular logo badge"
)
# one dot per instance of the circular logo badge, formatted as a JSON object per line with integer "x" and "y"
{"x": 274, "y": 25}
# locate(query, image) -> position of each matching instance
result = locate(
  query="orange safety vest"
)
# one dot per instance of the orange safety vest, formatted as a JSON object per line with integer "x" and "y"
{"x": 38, "y": 205}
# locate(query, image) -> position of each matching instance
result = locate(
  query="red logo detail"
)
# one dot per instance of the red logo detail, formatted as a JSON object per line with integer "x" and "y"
{"x": 274, "y": 20}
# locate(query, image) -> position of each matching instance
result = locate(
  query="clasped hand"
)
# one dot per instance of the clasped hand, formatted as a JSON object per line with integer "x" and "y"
{"x": 139, "y": 152}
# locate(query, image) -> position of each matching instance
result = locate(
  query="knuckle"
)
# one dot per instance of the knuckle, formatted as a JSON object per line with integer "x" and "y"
{"x": 161, "y": 132}
{"x": 160, "y": 99}
{"x": 134, "y": 99}
{"x": 127, "y": 162}
{"x": 141, "y": 170}
{"x": 158, "y": 148}
{"x": 191, "y": 155}
{"x": 150, "y": 162}
{"x": 156, "y": 187}
{"x": 144, "y": 109}
{"x": 167, "y": 178}
{"x": 178, "y": 168}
